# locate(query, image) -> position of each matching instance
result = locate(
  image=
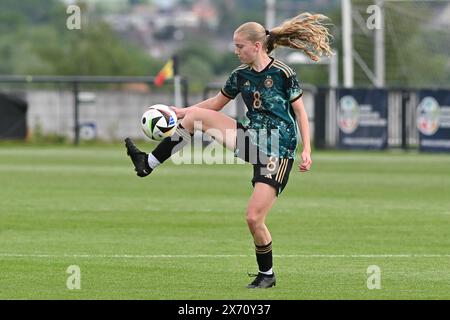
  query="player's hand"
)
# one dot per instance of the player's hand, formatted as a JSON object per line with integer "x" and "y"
{"x": 306, "y": 163}
{"x": 180, "y": 112}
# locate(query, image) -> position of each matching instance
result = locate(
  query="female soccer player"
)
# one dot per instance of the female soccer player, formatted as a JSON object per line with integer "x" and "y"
{"x": 272, "y": 95}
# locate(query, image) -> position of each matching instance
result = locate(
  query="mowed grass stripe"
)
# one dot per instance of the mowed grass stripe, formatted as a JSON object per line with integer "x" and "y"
{"x": 219, "y": 256}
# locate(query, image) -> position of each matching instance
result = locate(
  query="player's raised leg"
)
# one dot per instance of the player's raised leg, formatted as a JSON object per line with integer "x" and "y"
{"x": 221, "y": 127}
{"x": 218, "y": 125}
{"x": 261, "y": 201}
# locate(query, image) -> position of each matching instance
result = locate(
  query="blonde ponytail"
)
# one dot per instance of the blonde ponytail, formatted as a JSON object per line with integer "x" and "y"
{"x": 305, "y": 32}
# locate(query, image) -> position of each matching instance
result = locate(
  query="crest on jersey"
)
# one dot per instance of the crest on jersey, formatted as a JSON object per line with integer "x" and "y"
{"x": 268, "y": 83}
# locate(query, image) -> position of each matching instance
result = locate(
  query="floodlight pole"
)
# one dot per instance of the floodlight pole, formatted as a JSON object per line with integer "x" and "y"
{"x": 333, "y": 82}
{"x": 346, "y": 7}
{"x": 333, "y": 70}
{"x": 76, "y": 113}
{"x": 270, "y": 14}
{"x": 177, "y": 82}
{"x": 380, "y": 47}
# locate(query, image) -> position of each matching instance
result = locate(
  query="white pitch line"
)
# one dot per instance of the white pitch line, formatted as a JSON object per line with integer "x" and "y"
{"x": 190, "y": 256}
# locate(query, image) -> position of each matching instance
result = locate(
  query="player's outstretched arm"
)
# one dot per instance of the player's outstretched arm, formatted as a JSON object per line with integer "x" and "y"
{"x": 302, "y": 120}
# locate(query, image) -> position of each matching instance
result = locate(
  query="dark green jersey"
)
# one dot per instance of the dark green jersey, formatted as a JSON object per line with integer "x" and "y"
{"x": 268, "y": 95}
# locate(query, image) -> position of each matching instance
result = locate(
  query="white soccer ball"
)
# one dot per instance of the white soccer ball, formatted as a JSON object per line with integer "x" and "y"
{"x": 159, "y": 122}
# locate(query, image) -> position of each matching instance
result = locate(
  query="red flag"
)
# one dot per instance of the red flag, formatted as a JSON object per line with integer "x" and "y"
{"x": 165, "y": 73}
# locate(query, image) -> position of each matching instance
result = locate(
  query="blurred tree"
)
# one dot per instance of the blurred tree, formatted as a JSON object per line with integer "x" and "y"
{"x": 228, "y": 62}
{"x": 31, "y": 11}
{"x": 411, "y": 49}
{"x": 233, "y": 13}
{"x": 166, "y": 33}
{"x": 134, "y": 2}
{"x": 40, "y": 43}
{"x": 201, "y": 49}
{"x": 198, "y": 61}
{"x": 90, "y": 51}
{"x": 197, "y": 72}
{"x": 11, "y": 21}
{"x": 314, "y": 74}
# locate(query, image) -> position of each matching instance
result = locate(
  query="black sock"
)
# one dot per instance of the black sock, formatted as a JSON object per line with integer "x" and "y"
{"x": 171, "y": 145}
{"x": 264, "y": 257}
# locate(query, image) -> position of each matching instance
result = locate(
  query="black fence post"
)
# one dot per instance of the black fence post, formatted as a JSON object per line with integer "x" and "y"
{"x": 185, "y": 92}
{"x": 320, "y": 118}
{"x": 76, "y": 115}
{"x": 405, "y": 100}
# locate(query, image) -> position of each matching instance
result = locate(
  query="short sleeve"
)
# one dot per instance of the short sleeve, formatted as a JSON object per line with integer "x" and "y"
{"x": 230, "y": 89}
{"x": 294, "y": 91}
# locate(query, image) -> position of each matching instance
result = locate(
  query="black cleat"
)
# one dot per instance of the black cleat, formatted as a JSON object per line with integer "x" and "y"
{"x": 139, "y": 159}
{"x": 262, "y": 281}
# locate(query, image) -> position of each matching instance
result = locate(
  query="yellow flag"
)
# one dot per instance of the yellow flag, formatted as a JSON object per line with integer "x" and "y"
{"x": 165, "y": 73}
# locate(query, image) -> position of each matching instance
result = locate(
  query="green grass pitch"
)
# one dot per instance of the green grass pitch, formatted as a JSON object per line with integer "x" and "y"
{"x": 181, "y": 233}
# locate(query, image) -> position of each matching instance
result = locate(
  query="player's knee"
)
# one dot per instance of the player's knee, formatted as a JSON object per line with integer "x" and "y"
{"x": 254, "y": 218}
{"x": 192, "y": 117}
{"x": 189, "y": 119}
{"x": 192, "y": 113}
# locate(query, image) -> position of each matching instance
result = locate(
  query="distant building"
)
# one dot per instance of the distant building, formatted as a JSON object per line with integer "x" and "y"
{"x": 159, "y": 29}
